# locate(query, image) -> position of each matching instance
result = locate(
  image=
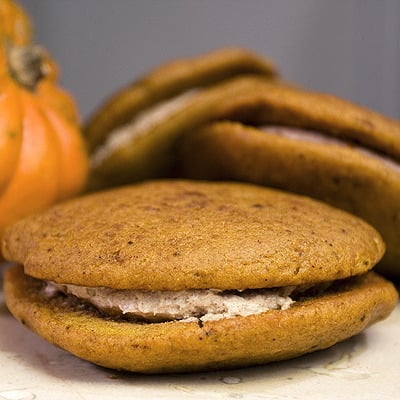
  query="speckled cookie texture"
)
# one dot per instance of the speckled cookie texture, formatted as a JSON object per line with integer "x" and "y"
{"x": 311, "y": 324}
{"x": 173, "y": 235}
{"x": 360, "y": 175}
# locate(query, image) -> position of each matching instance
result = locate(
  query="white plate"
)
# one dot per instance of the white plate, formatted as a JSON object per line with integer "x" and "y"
{"x": 364, "y": 367}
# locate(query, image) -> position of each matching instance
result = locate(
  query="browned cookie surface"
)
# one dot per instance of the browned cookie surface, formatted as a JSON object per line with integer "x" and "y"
{"x": 172, "y": 235}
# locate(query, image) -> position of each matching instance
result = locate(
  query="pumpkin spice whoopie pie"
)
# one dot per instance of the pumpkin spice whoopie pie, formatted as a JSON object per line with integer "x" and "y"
{"x": 178, "y": 276}
{"x": 132, "y": 133}
{"x": 308, "y": 143}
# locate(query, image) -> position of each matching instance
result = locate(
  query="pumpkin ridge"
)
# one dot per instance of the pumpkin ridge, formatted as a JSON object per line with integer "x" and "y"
{"x": 34, "y": 184}
{"x": 10, "y": 134}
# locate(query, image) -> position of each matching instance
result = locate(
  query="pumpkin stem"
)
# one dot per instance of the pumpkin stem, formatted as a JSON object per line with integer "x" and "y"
{"x": 25, "y": 64}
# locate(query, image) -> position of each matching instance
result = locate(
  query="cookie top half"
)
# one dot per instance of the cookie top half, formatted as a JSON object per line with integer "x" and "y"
{"x": 176, "y": 234}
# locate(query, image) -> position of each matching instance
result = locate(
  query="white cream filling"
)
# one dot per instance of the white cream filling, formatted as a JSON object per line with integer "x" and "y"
{"x": 184, "y": 305}
{"x": 142, "y": 123}
{"x": 317, "y": 137}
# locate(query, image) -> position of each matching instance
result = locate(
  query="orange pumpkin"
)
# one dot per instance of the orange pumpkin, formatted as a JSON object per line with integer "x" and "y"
{"x": 42, "y": 153}
{"x": 15, "y": 24}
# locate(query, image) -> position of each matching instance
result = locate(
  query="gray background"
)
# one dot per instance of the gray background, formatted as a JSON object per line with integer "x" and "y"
{"x": 347, "y": 47}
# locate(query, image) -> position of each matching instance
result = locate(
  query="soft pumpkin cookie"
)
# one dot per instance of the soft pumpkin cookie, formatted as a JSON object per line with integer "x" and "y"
{"x": 308, "y": 143}
{"x": 170, "y": 276}
{"x": 131, "y": 135}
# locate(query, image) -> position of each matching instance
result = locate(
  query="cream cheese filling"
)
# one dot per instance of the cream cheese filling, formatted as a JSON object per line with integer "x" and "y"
{"x": 317, "y": 137}
{"x": 142, "y": 123}
{"x": 184, "y": 305}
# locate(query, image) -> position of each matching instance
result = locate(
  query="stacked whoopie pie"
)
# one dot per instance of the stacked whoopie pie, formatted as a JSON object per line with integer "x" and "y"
{"x": 308, "y": 143}
{"x": 178, "y": 275}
